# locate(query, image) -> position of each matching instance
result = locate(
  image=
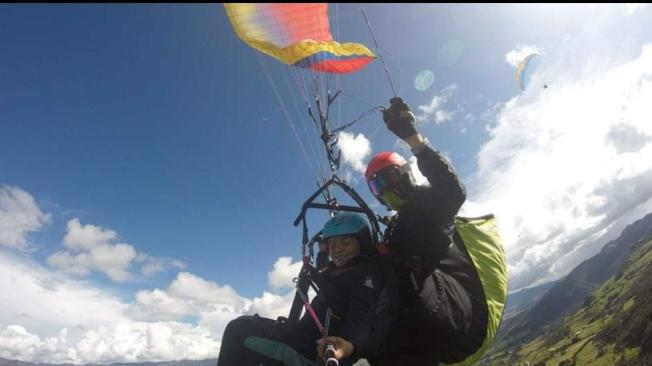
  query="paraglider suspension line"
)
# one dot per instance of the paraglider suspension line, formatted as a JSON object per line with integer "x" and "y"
{"x": 382, "y": 60}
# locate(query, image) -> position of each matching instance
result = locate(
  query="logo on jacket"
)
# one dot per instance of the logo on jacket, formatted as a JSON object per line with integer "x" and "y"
{"x": 369, "y": 283}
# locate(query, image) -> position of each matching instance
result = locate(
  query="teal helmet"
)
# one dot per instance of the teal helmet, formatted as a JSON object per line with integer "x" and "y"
{"x": 351, "y": 224}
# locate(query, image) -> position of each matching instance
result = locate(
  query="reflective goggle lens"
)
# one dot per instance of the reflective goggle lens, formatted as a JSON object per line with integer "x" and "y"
{"x": 376, "y": 186}
{"x": 383, "y": 180}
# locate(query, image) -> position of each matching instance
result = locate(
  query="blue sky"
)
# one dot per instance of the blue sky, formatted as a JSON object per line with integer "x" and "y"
{"x": 149, "y": 173}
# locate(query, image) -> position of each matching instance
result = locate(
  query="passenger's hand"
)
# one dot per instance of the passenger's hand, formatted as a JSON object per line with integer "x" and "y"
{"x": 399, "y": 119}
{"x": 343, "y": 348}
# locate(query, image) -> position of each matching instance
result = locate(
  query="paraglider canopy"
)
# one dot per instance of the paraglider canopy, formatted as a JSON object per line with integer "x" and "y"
{"x": 525, "y": 70}
{"x": 298, "y": 35}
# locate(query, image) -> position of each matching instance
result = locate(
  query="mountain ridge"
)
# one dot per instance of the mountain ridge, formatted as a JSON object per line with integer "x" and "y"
{"x": 569, "y": 293}
{"x": 608, "y": 321}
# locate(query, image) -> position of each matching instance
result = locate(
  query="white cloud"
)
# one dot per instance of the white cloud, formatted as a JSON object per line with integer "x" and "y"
{"x": 93, "y": 249}
{"x": 86, "y": 237}
{"x": 154, "y": 265}
{"x": 19, "y": 215}
{"x": 631, "y": 8}
{"x": 626, "y": 138}
{"x": 158, "y": 305}
{"x": 561, "y": 165}
{"x": 271, "y": 305}
{"x": 45, "y": 302}
{"x": 431, "y": 108}
{"x": 434, "y": 111}
{"x": 137, "y": 342}
{"x": 354, "y": 150}
{"x": 514, "y": 57}
{"x": 17, "y": 341}
{"x": 82, "y": 324}
{"x": 78, "y": 265}
{"x": 213, "y": 305}
{"x": 283, "y": 273}
{"x": 443, "y": 116}
{"x": 50, "y": 317}
{"x": 268, "y": 305}
{"x": 187, "y": 295}
{"x": 204, "y": 294}
{"x": 124, "y": 342}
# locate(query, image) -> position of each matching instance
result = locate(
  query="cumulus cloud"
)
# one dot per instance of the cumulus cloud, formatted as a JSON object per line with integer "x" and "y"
{"x": 157, "y": 305}
{"x": 514, "y": 57}
{"x": 154, "y": 265}
{"x": 268, "y": 305}
{"x": 86, "y": 237}
{"x": 212, "y": 304}
{"x": 51, "y": 317}
{"x": 204, "y": 293}
{"x": 124, "y": 342}
{"x": 272, "y": 305}
{"x": 439, "y": 110}
{"x": 562, "y": 165}
{"x": 137, "y": 342}
{"x": 283, "y": 273}
{"x": 187, "y": 295}
{"x": 94, "y": 249}
{"x": 31, "y": 286}
{"x": 17, "y": 342}
{"x": 19, "y": 216}
{"x": 98, "y": 327}
{"x": 354, "y": 148}
{"x": 91, "y": 250}
{"x": 626, "y": 138}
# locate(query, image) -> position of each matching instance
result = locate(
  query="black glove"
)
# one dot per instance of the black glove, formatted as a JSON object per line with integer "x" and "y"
{"x": 399, "y": 119}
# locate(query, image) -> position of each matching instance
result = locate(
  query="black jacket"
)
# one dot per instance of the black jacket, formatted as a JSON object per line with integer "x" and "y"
{"x": 361, "y": 308}
{"x": 443, "y": 311}
{"x": 424, "y": 228}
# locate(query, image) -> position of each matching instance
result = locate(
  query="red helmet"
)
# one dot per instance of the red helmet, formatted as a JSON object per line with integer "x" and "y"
{"x": 382, "y": 161}
{"x": 390, "y": 172}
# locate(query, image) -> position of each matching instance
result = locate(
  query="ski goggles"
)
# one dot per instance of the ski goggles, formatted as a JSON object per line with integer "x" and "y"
{"x": 388, "y": 178}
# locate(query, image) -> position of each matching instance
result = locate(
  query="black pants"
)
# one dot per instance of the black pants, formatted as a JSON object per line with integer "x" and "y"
{"x": 234, "y": 353}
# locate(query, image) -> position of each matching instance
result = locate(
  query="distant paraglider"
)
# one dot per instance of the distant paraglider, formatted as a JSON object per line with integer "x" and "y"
{"x": 526, "y": 69}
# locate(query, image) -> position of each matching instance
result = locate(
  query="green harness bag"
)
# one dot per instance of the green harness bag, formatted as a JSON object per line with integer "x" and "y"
{"x": 485, "y": 247}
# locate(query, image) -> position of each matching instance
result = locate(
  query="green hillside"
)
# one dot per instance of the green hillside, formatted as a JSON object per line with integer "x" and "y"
{"x": 613, "y": 327}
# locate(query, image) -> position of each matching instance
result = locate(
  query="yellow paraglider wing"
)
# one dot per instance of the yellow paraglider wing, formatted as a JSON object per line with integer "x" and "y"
{"x": 298, "y": 35}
